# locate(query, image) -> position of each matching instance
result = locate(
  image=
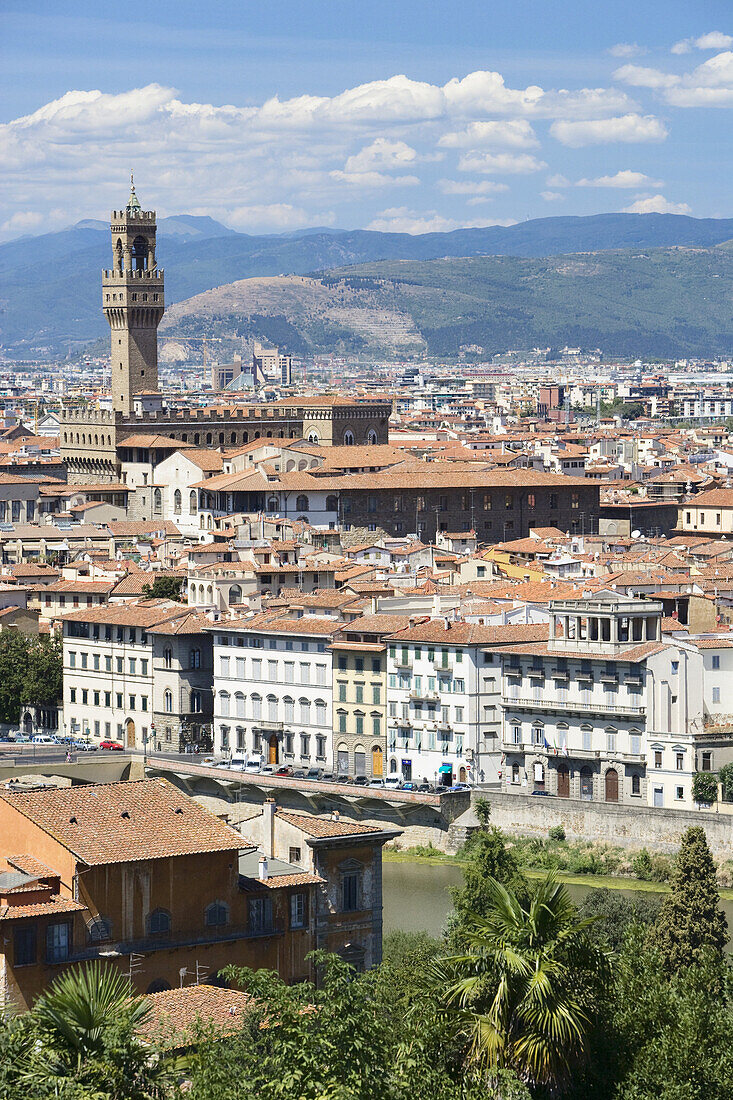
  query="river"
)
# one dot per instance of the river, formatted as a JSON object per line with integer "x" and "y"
{"x": 416, "y": 897}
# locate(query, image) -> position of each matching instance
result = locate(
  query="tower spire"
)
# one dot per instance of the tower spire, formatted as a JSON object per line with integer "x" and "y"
{"x": 133, "y": 203}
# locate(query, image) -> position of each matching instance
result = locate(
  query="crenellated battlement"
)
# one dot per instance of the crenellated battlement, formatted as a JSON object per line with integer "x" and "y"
{"x": 132, "y": 215}
{"x": 115, "y": 275}
{"x": 79, "y": 413}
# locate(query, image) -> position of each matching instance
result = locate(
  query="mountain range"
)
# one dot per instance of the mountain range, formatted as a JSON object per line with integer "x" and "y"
{"x": 50, "y": 290}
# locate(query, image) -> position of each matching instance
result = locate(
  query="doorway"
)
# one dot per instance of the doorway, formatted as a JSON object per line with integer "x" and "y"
{"x": 563, "y": 781}
{"x": 611, "y": 785}
{"x": 659, "y": 796}
{"x": 377, "y": 762}
{"x": 461, "y": 775}
{"x": 130, "y": 734}
{"x": 272, "y": 750}
{"x": 586, "y": 784}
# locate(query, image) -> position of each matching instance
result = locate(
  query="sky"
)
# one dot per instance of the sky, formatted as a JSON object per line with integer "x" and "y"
{"x": 395, "y": 115}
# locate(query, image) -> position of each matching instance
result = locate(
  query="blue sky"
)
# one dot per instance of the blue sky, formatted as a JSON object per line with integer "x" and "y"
{"x": 390, "y": 115}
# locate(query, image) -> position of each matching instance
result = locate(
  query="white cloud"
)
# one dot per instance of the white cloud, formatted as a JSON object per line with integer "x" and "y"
{"x": 622, "y": 179}
{"x": 400, "y": 219}
{"x": 500, "y": 164}
{"x": 656, "y": 204}
{"x": 713, "y": 40}
{"x": 642, "y": 77}
{"x": 558, "y": 180}
{"x": 381, "y": 155}
{"x": 709, "y": 85}
{"x": 471, "y": 187}
{"x": 512, "y": 134}
{"x": 276, "y": 216}
{"x": 370, "y": 180}
{"x": 551, "y": 196}
{"x": 630, "y": 128}
{"x": 627, "y": 49}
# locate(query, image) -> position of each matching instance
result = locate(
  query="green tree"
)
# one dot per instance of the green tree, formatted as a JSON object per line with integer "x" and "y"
{"x": 523, "y": 994}
{"x": 690, "y": 919}
{"x": 725, "y": 777}
{"x": 615, "y": 914}
{"x": 84, "y": 1043}
{"x": 44, "y": 678}
{"x": 705, "y": 788}
{"x": 13, "y": 668}
{"x": 489, "y": 859}
{"x": 164, "y": 588}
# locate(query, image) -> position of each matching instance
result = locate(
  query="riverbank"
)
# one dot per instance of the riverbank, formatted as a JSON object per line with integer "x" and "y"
{"x": 417, "y": 856}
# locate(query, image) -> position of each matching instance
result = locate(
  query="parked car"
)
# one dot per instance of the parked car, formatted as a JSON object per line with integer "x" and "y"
{"x": 546, "y": 794}
{"x": 314, "y": 773}
{"x": 343, "y": 777}
{"x": 286, "y": 770}
{"x": 267, "y": 769}
{"x": 298, "y": 773}
{"x": 114, "y": 746}
{"x": 393, "y": 782}
{"x": 408, "y": 786}
{"x": 425, "y": 787}
{"x": 361, "y": 781}
{"x": 21, "y": 739}
{"x": 84, "y": 746}
{"x": 328, "y": 777}
{"x": 459, "y": 787}
{"x": 252, "y": 766}
{"x": 376, "y": 782}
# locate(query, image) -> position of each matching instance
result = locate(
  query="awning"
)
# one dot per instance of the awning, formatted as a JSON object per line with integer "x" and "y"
{"x": 445, "y": 768}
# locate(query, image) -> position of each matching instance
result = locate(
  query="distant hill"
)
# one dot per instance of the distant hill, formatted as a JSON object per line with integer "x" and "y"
{"x": 646, "y": 302}
{"x": 50, "y": 291}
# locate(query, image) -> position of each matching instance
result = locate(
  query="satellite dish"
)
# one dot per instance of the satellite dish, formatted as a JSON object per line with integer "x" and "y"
{"x": 636, "y": 534}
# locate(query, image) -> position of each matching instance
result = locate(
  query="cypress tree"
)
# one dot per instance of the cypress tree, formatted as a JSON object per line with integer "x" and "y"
{"x": 690, "y": 921}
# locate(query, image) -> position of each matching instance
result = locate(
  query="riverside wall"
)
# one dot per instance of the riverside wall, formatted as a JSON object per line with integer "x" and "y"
{"x": 625, "y": 826}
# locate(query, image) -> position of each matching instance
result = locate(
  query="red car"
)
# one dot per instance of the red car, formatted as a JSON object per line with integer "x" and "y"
{"x": 116, "y": 746}
{"x": 284, "y": 771}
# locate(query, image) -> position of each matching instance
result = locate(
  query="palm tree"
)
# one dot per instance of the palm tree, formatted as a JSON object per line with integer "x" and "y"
{"x": 521, "y": 994}
{"x": 85, "y": 1029}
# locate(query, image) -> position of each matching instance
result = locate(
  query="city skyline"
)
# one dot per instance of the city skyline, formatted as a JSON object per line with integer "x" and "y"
{"x": 377, "y": 120}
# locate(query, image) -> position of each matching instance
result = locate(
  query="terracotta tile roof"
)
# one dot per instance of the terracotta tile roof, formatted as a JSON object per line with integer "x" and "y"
{"x": 55, "y": 904}
{"x": 177, "y": 1014}
{"x": 541, "y": 649}
{"x": 205, "y": 460}
{"x": 153, "y": 442}
{"x": 125, "y": 822}
{"x": 143, "y": 527}
{"x": 711, "y": 643}
{"x": 144, "y": 613}
{"x": 462, "y": 633}
{"x": 325, "y": 826}
{"x": 299, "y": 878}
{"x": 29, "y": 865}
{"x": 133, "y": 583}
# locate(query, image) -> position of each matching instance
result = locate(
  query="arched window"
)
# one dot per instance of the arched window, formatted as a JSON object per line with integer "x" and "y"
{"x": 636, "y": 783}
{"x": 234, "y": 437}
{"x": 168, "y": 702}
{"x": 239, "y": 704}
{"x": 313, "y": 436}
{"x": 301, "y": 503}
{"x": 139, "y": 254}
{"x": 235, "y": 594}
{"x": 197, "y": 438}
{"x": 320, "y": 712}
{"x": 167, "y": 657}
{"x": 224, "y": 704}
{"x": 209, "y": 438}
{"x": 177, "y": 502}
{"x": 272, "y": 504}
{"x": 305, "y": 711}
{"x": 371, "y": 437}
{"x": 157, "y": 502}
{"x": 216, "y": 914}
{"x": 393, "y": 766}
{"x": 193, "y": 503}
{"x": 257, "y": 706}
{"x": 99, "y": 928}
{"x": 332, "y": 504}
{"x": 159, "y": 921}
{"x": 289, "y": 708}
{"x": 348, "y": 438}
{"x": 159, "y": 985}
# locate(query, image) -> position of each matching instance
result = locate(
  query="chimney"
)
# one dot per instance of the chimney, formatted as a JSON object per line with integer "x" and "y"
{"x": 335, "y": 815}
{"x": 268, "y": 827}
{"x": 262, "y": 869}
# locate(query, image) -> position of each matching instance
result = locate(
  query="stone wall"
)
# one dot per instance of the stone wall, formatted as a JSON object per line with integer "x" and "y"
{"x": 627, "y": 826}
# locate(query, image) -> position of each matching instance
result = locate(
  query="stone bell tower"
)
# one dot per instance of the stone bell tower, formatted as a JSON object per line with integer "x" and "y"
{"x": 133, "y": 303}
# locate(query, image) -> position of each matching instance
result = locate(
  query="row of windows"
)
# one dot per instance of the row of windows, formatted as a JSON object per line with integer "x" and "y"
{"x": 135, "y": 665}
{"x": 98, "y": 696}
{"x": 95, "y": 631}
{"x": 272, "y": 709}
{"x": 342, "y": 722}
{"x": 444, "y": 656}
{"x": 358, "y": 692}
{"x": 465, "y": 502}
{"x": 304, "y": 742}
{"x": 273, "y": 670}
{"x": 447, "y": 684}
{"x": 432, "y": 710}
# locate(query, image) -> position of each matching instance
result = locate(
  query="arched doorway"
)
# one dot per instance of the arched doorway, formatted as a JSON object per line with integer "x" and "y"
{"x": 272, "y": 749}
{"x": 611, "y": 785}
{"x": 130, "y": 734}
{"x": 28, "y": 724}
{"x": 586, "y": 784}
{"x": 563, "y": 781}
{"x": 461, "y": 775}
{"x": 377, "y": 762}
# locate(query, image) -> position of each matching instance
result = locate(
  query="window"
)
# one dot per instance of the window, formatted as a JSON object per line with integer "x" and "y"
{"x": 216, "y": 914}
{"x": 716, "y": 660}
{"x": 298, "y": 910}
{"x": 177, "y": 502}
{"x": 99, "y": 929}
{"x": 132, "y": 702}
{"x": 294, "y": 855}
{"x": 679, "y": 761}
{"x": 195, "y": 658}
{"x": 159, "y": 922}
{"x": 58, "y": 941}
{"x": 350, "y": 892}
{"x": 167, "y": 657}
{"x": 658, "y": 758}
{"x": 260, "y": 916}
{"x": 636, "y": 784}
{"x": 168, "y": 702}
{"x": 716, "y": 695}
{"x": 707, "y": 762}
{"x": 25, "y": 945}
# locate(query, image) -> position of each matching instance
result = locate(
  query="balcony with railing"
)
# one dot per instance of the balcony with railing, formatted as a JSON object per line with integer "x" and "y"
{"x": 581, "y": 706}
{"x": 164, "y": 942}
{"x": 425, "y": 695}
